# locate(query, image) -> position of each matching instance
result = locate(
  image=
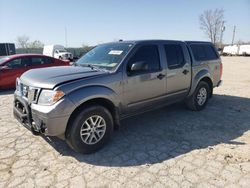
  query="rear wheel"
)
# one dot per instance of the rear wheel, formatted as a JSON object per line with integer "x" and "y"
{"x": 198, "y": 100}
{"x": 90, "y": 130}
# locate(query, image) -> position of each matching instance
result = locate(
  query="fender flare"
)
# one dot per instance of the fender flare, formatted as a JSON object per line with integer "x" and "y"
{"x": 87, "y": 94}
{"x": 84, "y": 94}
{"x": 197, "y": 78}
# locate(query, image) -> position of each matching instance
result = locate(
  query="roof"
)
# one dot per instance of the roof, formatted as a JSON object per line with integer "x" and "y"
{"x": 25, "y": 55}
{"x": 157, "y": 40}
{"x": 142, "y": 41}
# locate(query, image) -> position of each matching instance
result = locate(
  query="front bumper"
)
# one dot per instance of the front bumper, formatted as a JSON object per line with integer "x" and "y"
{"x": 49, "y": 120}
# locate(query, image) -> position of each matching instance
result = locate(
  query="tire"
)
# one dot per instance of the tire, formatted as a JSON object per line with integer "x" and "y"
{"x": 34, "y": 132}
{"x": 194, "y": 102}
{"x": 101, "y": 129}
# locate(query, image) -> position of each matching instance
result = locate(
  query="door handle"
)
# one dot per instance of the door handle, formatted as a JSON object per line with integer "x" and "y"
{"x": 185, "y": 71}
{"x": 160, "y": 76}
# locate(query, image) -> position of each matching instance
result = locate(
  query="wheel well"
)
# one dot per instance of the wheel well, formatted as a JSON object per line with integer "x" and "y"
{"x": 97, "y": 101}
{"x": 209, "y": 82}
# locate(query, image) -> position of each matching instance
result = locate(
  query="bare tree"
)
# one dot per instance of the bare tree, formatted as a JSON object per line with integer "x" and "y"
{"x": 22, "y": 41}
{"x": 35, "y": 44}
{"x": 211, "y": 22}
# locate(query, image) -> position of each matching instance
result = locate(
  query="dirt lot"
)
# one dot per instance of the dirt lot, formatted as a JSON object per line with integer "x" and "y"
{"x": 170, "y": 147}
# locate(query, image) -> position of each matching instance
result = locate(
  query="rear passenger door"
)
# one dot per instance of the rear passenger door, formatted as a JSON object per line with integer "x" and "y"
{"x": 178, "y": 68}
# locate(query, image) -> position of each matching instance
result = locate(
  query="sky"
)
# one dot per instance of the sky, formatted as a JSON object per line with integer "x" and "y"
{"x": 91, "y": 22}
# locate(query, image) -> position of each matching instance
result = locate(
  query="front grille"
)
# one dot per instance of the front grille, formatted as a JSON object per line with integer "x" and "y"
{"x": 29, "y": 93}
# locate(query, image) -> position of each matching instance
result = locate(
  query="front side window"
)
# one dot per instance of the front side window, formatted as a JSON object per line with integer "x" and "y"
{"x": 106, "y": 56}
{"x": 174, "y": 54}
{"x": 146, "y": 58}
{"x": 16, "y": 63}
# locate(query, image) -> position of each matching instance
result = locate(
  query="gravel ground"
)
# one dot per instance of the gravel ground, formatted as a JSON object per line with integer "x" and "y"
{"x": 170, "y": 147}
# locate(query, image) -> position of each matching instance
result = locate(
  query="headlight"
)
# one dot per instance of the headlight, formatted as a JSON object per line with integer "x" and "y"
{"x": 49, "y": 97}
{"x": 17, "y": 84}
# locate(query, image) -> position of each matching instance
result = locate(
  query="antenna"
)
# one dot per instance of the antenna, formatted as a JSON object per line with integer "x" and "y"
{"x": 233, "y": 35}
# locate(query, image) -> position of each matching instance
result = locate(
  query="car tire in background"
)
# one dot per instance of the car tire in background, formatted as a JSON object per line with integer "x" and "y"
{"x": 198, "y": 100}
{"x": 90, "y": 129}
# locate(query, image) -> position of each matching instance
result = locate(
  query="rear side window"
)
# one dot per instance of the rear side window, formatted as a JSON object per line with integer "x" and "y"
{"x": 35, "y": 61}
{"x": 48, "y": 60}
{"x": 174, "y": 54}
{"x": 203, "y": 52}
{"x": 148, "y": 54}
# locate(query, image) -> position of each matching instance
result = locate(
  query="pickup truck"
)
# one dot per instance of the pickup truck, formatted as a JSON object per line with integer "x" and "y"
{"x": 85, "y": 102}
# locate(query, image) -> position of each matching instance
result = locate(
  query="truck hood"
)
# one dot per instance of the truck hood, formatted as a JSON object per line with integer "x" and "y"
{"x": 48, "y": 78}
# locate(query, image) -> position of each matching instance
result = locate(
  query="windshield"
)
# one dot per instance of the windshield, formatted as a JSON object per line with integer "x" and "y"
{"x": 3, "y": 59}
{"x": 106, "y": 56}
{"x": 61, "y": 51}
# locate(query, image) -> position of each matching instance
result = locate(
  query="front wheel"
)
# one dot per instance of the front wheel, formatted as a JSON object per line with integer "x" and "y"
{"x": 198, "y": 100}
{"x": 90, "y": 130}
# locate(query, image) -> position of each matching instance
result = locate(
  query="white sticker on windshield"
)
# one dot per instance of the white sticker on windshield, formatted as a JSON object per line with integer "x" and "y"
{"x": 115, "y": 52}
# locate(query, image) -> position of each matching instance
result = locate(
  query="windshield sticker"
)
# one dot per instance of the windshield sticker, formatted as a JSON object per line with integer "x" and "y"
{"x": 115, "y": 52}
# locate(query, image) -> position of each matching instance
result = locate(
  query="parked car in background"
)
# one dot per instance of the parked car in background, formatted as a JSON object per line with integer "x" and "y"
{"x": 244, "y": 50}
{"x": 57, "y": 51}
{"x": 231, "y": 50}
{"x": 14, "y": 66}
{"x": 241, "y": 50}
{"x": 7, "y": 49}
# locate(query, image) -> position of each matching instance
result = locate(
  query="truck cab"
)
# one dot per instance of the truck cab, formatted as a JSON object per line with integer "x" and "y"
{"x": 84, "y": 103}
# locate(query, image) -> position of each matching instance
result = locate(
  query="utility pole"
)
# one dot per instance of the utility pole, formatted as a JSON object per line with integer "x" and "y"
{"x": 66, "y": 40}
{"x": 221, "y": 32}
{"x": 233, "y": 35}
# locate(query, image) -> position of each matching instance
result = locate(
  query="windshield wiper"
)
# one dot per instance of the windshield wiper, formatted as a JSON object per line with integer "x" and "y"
{"x": 93, "y": 67}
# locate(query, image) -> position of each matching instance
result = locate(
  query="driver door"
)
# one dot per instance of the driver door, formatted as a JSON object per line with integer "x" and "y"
{"x": 144, "y": 85}
{"x": 14, "y": 69}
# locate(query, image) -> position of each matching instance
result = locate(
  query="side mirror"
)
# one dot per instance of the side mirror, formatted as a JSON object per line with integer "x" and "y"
{"x": 139, "y": 66}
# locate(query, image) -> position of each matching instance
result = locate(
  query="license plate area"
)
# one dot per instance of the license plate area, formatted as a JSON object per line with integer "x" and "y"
{"x": 22, "y": 112}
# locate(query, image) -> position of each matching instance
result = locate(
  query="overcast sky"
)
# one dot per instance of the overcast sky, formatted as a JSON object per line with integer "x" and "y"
{"x": 96, "y": 21}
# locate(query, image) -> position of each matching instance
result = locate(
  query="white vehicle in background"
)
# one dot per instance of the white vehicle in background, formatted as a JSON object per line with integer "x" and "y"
{"x": 57, "y": 51}
{"x": 244, "y": 50}
{"x": 231, "y": 50}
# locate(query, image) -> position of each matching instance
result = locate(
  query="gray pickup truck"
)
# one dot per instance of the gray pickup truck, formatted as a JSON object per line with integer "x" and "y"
{"x": 85, "y": 102}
